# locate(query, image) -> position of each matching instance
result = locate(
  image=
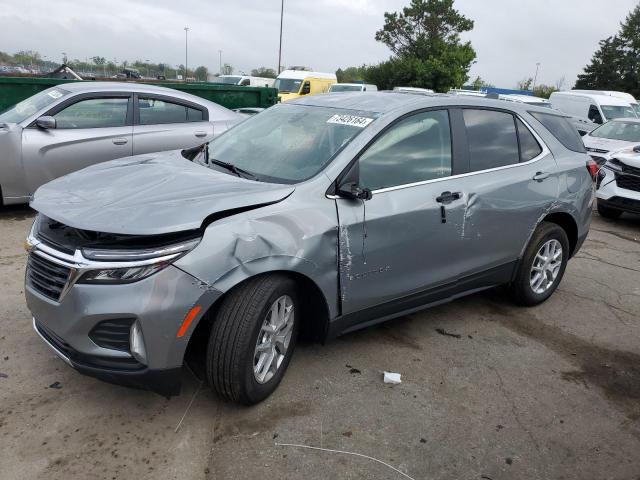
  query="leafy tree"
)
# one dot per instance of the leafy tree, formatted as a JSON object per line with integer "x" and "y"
{"x": 479, "y": 84}
{"x": 427, "y": 51}
{"x": 351, "y": 74}
{"x": 544, "y": 91}
{"x": 264, "y": 72}
{"x": 525, "y": 84}
{"x": 603, "y": 71}
{"x": 227, "y": 69}
{"x": 201, "y": 73}
{"x": 99, "y": 60}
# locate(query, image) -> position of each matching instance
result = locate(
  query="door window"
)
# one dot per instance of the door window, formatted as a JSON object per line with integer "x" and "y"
{"x": 94, "y": 113}
{"x": 492, "y": 139}
{"x": 594, "y": 114}
{"x": 416, "y": 149}
{"x": 529, "y": 146}
{"x": 154, "y": 111}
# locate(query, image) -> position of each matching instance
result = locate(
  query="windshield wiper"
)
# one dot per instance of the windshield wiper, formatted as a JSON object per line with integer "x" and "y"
{"x": 240, "y": 172}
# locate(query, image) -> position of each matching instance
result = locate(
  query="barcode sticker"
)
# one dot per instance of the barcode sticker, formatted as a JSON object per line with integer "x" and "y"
{"x": 352, "y": 120}
{"x": 55, "y": 94}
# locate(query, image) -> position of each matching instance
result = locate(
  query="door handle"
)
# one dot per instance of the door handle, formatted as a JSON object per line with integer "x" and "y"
{"x": 200, "y": 134}
{"x": 540, "y": 176}
{"x": 448, "y": 197}
{"x": 120, "y": 141}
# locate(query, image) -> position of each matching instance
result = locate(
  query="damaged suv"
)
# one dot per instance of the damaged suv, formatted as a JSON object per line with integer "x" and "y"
{"x": 320, "y": 216}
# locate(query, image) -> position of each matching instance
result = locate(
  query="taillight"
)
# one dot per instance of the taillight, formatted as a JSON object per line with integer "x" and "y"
{"x": 593, "y": 168}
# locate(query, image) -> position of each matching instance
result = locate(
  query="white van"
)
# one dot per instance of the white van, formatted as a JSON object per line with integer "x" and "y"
{"x": 612, "y": 93}
{"x": 597, "y": 108}
{"x": 245, "y": 80}
{"x": 352, "y": 87}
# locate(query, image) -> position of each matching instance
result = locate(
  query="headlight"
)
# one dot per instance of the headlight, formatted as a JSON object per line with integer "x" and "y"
{"x": 130, "y": 265}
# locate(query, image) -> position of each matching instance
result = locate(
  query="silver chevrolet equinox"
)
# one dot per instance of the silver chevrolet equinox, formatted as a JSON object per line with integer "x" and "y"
{"x": 315, "y": 217}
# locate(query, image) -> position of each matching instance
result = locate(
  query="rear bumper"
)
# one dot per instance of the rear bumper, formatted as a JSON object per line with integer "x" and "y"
{"x": 165, "y": 382}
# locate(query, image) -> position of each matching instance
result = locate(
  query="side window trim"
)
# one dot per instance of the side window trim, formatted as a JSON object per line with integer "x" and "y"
{"x": 545, "y": 151}
{"x": 91, "y": 96}
{"x": 166, "y": 98}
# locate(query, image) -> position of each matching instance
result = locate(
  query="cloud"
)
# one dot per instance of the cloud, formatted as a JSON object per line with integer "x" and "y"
{"x": 509, "y": 37}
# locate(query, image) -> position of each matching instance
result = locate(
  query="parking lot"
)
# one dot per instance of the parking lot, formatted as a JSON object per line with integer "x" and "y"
{"x": 489, "y": 391}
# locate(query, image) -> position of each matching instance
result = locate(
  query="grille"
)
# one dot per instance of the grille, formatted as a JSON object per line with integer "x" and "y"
{"x": 597, "y": 150}
{"x": 47, "y": 277}
{"x": 112, "y": 334}
{"x": 629, "y": 169}
{"x": 628, "y": 182}
{"x": 104, "y": 363}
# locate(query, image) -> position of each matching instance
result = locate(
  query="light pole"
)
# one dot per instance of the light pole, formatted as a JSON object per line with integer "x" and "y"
{"x": 536, "y": 76}
{"x": 220, "y": 54}
{"x": 186, "y": 51}
{"x": 280, "y": 48}
{"x": 147, "y": 60}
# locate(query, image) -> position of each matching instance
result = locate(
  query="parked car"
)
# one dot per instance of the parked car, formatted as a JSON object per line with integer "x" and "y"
{"x": 528, "y": 99}
{"x": 352, "y": 87}
{"x": 319, "y": 216}
{"x": 292, "y": 84}
{"x": 72, "y": 126}
{"x": 596, "y": 108}
{"x": 467, "y": 92}
{"x": 615, "y": 146}
{"x": 244, "y": 80}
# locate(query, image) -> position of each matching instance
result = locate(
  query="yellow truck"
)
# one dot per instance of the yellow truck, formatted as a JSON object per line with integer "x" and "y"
{"x": 296, "y": 83}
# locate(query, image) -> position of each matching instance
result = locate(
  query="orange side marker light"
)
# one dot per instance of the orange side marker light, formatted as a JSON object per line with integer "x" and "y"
{"x": 188, "y": 319}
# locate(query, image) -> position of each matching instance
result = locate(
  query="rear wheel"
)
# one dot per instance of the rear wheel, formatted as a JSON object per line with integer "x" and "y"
{"x": 542, "y": 265}
{"x": 253, "y": 338}
{"x": 608, "y": 212}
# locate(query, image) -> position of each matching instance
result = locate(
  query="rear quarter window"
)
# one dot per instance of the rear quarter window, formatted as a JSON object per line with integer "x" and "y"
{"x": 560, "y": 128}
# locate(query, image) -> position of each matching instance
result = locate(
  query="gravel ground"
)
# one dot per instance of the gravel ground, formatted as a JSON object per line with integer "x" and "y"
{"x": 551, "y": 392}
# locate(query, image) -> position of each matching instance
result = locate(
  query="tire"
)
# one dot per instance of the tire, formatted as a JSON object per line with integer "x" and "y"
{"x": 233, "y": 341}
{"x": 608, "y": 212}
{"x": 522, "y": 290}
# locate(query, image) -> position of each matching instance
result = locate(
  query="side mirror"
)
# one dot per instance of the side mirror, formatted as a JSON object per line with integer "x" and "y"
{"x": 306, "y": 89}
{"x": 354, "y": 191}
{"x": 46, "y": 122}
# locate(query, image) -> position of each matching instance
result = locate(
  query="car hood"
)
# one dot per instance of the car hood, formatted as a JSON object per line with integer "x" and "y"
{"x": 606, "y": 143}
{"x": 149, "y": 194}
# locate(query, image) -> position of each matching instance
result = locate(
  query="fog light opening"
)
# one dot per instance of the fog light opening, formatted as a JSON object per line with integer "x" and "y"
{"x": 136, "y": 340}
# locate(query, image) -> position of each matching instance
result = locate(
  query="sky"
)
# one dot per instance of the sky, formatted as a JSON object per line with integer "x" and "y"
{"x": 509, "y": 36}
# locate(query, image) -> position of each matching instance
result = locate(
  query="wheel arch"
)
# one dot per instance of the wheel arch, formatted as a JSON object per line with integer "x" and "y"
{"x": 565, "y": 221}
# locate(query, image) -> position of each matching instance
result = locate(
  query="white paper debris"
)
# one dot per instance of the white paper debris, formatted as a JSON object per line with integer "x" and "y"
{"x": 393, "y": 378}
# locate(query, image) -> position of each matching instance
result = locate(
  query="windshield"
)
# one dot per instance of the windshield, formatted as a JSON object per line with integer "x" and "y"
{"x": 618, "y": 111}
{"x": 345, "y": 88}
{"x": 26, "y": 108}
{"x": 289, "y": 143}
{"x": 636, "y": 108}
{"x": 618, "y": 130}
{"x": 228, "y": 80}
{"x": 288, "y": 85}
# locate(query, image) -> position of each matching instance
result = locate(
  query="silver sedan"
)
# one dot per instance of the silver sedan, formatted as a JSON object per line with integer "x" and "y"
{"x": 71, "y": 126}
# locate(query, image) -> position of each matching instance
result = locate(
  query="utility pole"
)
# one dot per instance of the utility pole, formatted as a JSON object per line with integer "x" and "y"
{"x": 536, "y": 76}
{"x": 220, "y": 54}
{"x": 186, "y": 52}
{"x": 280, "y": 48}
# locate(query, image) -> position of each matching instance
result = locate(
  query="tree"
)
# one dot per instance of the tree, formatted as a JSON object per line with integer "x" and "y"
{"x": 544, "y": 91}
{"x": 99, "y": 60}
{"x": 479, "y": 84}
{"x": 525, "y": 84}
{"x": 201, "y": 73}
{"x": 425, "y": 41}
{"x": 264, "y": 72}
{"x": 615, "y": 66}
{"x": 351, "y": 74}
{"x": 227, "y": 69}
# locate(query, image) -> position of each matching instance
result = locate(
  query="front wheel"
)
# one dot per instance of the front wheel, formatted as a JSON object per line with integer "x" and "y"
{"x": 253, "y": 338}
{"x": 542, "y": 265}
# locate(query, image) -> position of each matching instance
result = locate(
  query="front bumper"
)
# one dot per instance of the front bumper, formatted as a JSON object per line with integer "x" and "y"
{"x": 158, "y": 304}
{"x": 612, "y": 195}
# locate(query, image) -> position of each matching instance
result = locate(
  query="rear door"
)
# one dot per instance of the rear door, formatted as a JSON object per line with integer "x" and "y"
{"x": 511, "y": 181}
{"x": 90, "y": 128}
{"x": 166, "y": 123}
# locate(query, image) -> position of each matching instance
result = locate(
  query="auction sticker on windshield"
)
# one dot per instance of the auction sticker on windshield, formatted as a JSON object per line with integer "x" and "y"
{"x": 352, "y": 120}
{"x": 55, "y": 94}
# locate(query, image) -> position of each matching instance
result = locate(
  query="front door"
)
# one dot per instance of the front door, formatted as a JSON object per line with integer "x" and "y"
{"x": 89, "y": 130}
{"x": 405, "y": 240}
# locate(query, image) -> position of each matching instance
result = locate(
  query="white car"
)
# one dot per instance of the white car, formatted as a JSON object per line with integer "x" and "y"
{"x": 615, "y": 146}
{"x": 352, "y": 87}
